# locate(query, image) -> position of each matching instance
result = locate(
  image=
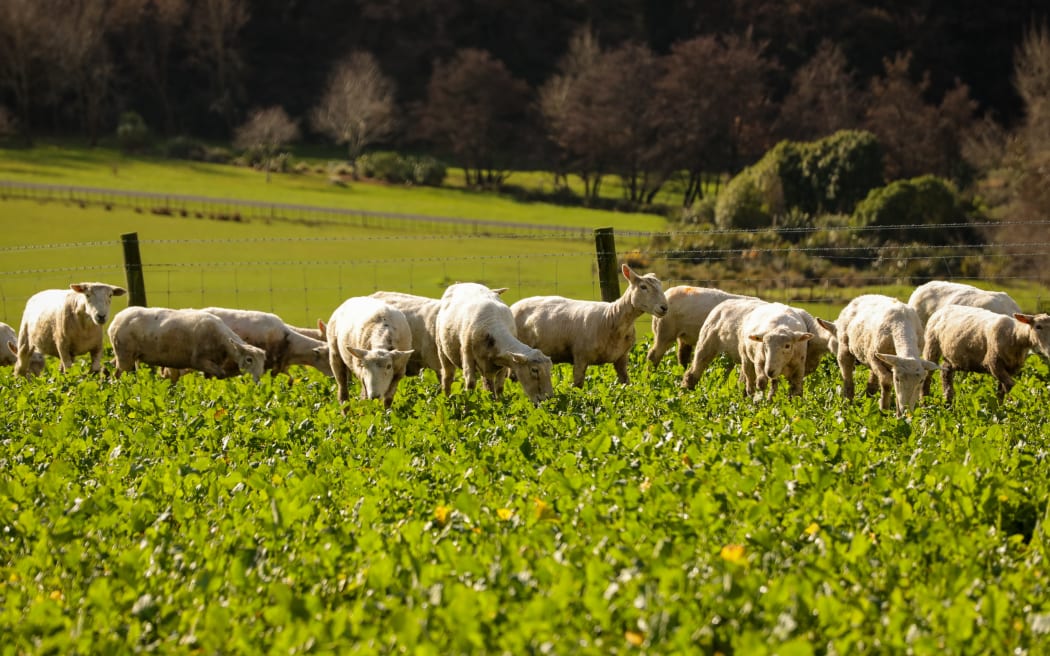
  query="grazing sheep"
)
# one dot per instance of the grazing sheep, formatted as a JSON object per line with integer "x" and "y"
{"x": 180, "y": 339}
{"x": 887, "y": 336}
{"x": 589, "y": 332}
{"x": 421, "y": 313}
{"x": 283, "y": 344}
{"x": 929, "y": 297}
{"x": 773, "y": 342}
{"x": 720, "y": 334}
{"x": 9, "y": 351}
{"x": 476, "y": 333}
{"x": 824, "y": 339}
{"x": 373, "y": 340}
{"x": 317, "y": 333}
{"x": 65, "y": 323}
{"x": 983, "y": 341}
{"x": 687, "y": 308}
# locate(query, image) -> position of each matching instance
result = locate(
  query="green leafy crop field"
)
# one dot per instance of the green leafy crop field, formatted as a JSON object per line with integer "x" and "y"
{"x": 223, "y": 516}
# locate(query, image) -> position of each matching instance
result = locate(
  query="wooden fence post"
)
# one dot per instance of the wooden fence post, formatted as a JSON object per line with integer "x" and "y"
{"x": 608, "y": 269}
{"x": 133, "y": 269}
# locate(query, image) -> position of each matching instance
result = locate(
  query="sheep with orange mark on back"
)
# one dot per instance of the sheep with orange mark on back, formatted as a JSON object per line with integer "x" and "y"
{"x": 687, "y": 309}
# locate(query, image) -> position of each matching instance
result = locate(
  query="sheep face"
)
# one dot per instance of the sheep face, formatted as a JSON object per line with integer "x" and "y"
{"x": 781, "y": 347}
{"x": 97, "y": 298}
{"x": 908, "y": 377}
{"x": 645, "y": 292}
{"x": 1040, "y": 325}
{"x": 533, "y": 371}
{"x": 379, "y": 370}
{"x": 321, "y": 361}
{"x": 250, "y": 359}
{"x": 35, "y": 365}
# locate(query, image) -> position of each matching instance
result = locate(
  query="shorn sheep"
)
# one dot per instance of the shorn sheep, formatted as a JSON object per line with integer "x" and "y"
{"x": 931, "y": 296}
{"x": 284, "y": 345}
{"x": 180, "y": 339}
{"x": 421, "y": 312}
{"x": 9, "y": 351}
{"x": 978, "y": 340}
{"x": 887, "y": 336}
{"x": 476, "y": 333}
{"x": 65, "y": 323}
{"x": 373, "y": 340}
{"x": 720, "y": 335}
{"x": 589, "y": 332}
{"x": 687, "y": 308}
{"x": 773, "y": 342}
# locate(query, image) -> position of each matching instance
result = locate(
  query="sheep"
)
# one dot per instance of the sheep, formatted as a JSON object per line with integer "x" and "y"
{"x": 824, "y": 339}
{"x": 317, "y": 333}
{"x": 772, "y": 342}
{"x": 927, "y": 298}
{"x": 476, "y": 333}
{"x": 283, "y": 344}
{"x": 589, "y": 332}
{"x": 180, "y": 339}
{"x": 887, "y": 336}
{"x": 421, "y": 312}
{"x": 65, "y": 323}
{"x": 373, "y": 340}
{"x": 984, "y": 341}
{"x": 720, "y": 334}
{"x": 9, "y": 351}
{"x": 687, "y": 307}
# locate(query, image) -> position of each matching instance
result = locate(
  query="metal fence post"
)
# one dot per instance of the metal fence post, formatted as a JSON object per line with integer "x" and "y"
{"x": 608, "y": 271}
{"x": 133, "y": 269}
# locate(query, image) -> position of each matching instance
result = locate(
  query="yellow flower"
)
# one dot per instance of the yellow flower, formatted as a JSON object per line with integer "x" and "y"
{"x": 734, "y": 553}
{"x": 56, "y": 595}
{"x": 645, "y": 485}
{"x": 441, "y": 514}
{"x": 544, "y": 511}
{"x": 505, "y": 514}
{"x": 813, "y": 529}
{"x": 633, "y": 638}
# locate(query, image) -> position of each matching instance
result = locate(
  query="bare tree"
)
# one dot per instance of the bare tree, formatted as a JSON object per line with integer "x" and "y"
{"x": 474, "y": 109}
{"x": 84, "y": 63}
{"x": 265, "y": 133}
{"x": 23, "y": 49}
{"x": 823, "y": 97}
{"x": 8, "y": 123}
{"x": 213, "y": 38}
{"x": 358, "y": 107}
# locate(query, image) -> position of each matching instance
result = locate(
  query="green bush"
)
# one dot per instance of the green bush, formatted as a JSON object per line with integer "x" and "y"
{"x": 400, "y": 169}
{"x": 184, "y": 148}
{"x": 923, "y": 201}
{"x": 132, "y": 133}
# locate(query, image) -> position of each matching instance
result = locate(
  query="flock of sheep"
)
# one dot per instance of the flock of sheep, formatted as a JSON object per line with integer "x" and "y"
{"x": 383, "y": 337}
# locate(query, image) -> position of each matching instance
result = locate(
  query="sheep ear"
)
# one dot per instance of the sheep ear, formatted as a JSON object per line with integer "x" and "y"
{"x": 11, "y": 347}
{"x": 499, "y": 290}
{"x": 360, "y": 354}
{"x": 803, "y": 337}
{"x": 79, "y": 287}
{"x": 1024, "y": 318}
{"x": 322, "y": 327}
{"x": 931, "y": 366}
{"x": 755, "y": 338}
{"x": 888, "y": 358}
{"x": 828, "y": 326}
{"x": 119, "y": 291}
{"x": 627, "y": 273}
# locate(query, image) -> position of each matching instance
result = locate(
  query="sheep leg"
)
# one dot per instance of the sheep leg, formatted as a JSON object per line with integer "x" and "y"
{"x": 847, "y": 363}
{"x": 210, "y": 368}
{"x": 470, "y": 375}
{"x": 448, "y": 373}
{"x": 747, "y": 375}
{"x": 795, "y": 379}
{"x": 684, "y": 353}
{"x": 874, "y": 382}
{"x": 661, "y": 343}
{"x": 947, "y": 382}
{"x": 96, "y": 359}
{"x": 1002, "y": 374}
{"x": 579, "y": 372}
{"x": 702, "y": 358}
{"x": 931, "y": 352}
{"x": 341, "y": 372}
{"x": 620, "y": 365}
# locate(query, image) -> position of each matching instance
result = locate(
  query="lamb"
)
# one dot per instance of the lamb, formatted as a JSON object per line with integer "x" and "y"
{"x": 887, "y": 336}
{"x": 421, "y": 312}
{"x": 283, "y": 344}
{"x": 984, "y": 341}
{"x": 373, "y": 340}
{"x": 476, "y": 333}
{"x": 9, "y": 351}
{"x": 589, "y": 332}
{"x": 65, "y": 323}
{"x": 180, "y": 339}
{"x": 773, "y": 341}
{"x": 927, "y": 298}
{"x": 687, "y": 308}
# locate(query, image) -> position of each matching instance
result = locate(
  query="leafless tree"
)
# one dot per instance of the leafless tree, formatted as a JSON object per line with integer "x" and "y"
{"x": 213, "y": 38}
{"x": 23, "y": 50}
{"x": 7, "y": 122}
{"x": 474, "y": 109}
{"x": 823, "y": 97}
{"x": 84, "y": 67}
{"x": 265, "y": 133}
{"x": 358, "y": 106}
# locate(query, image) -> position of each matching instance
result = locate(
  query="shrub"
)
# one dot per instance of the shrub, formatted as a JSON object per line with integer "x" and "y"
{"x": 923, "y": 201}
{"x": 184, "y": 148}
{"x": 132, "y": 133}
{"x": 398, "y": 169}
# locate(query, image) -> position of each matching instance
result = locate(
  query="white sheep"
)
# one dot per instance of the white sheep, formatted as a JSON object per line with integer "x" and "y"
{"x": 373, "y": 340}
{"x": 421, "y": 312}
{"x": 887, "y": 336}
{"x": 824, "y": 339}
{"x": 687, "y": 308}
{"x": 720, "y": 335}
{"x": 284, "y": 345}
{"x": 180, "y": 339}
{"x": 773, "y": 341}
{"x": 929, "y": 297}
{"x": 978, "y": 340}
{"x": 589, "y": 332}
{"x": 65, "y": 323}
{"x": 9, "y": 351}
{"x": 476, "y": 333}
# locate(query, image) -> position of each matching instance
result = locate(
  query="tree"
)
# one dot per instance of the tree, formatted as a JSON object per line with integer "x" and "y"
{"x": 213, "y": 38}
{"x": 24, "y": 44}
{"x": 85, "y": 65}
{"x": 358, "y": 107}
{"x": 822, "y": 99}
{"x": 265, "y": 133}
{"x": 474, "y": 109}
